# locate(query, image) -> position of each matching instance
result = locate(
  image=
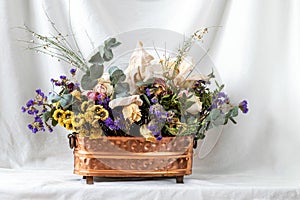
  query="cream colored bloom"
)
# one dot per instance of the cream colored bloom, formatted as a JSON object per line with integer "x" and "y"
{"x": 125, "y": 101}
{"x": 104, "y": 86}
{"x": 196, "y": 107}
{"x": 132, "y": 113}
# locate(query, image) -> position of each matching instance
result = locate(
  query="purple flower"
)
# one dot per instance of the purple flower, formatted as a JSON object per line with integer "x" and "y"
{"x": 30, "y": 126}
{"x": 34, "y": 130}
{"x": 73, "y": 71}
{"x": 30, "y": 103}
{"x": 23, "y": 109}
{"x": 152, "y": 127}
{"x": 57, "y": 84}
{"x": 244, "y": 106}
{"x": 30, "y": 112}
{"x": 71, "y": 86}
{"x": 63, "y": 77}
{"x": 156, "y": 133}
{"x": 148, "y": 92}
{"x": 38, "y": 119}
{"x": 159, "y": 137}
{"x": 153, "y": 100}
{"x": 50, "y": 129}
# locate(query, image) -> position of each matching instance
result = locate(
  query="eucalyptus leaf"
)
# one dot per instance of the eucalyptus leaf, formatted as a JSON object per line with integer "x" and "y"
{"x": 96, "y": 71}
{"x": 108, "y": 54}
{"x": 121, "y": 90}
{"x": 66, "y": 100}
{"x": 96, "y": 59}
{"x": 116, "y": 75}
{"x": 53, "y": 98}
{"x": 111, "y": 43}
{"x": 87, "y": 83}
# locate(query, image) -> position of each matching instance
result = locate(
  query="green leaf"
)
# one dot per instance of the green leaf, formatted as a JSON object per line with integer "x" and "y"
{"x": 53, "y": 98}
{"x": 108, "y": 54}
{"x": 46, "y": 116}
{"x": 121, "y": 90}
{"x": 116, "y": 75}
{"x": 111, "y": 43}
{"x": 87, "y": 83}
{"x": 54, "y": 122}
{"x": 96, "y": 59}
{"x": 66, "y": 100}
{"x": 188, "y": 104}
{"x": 147, "y": 82}
{"x": 96, "y": 71}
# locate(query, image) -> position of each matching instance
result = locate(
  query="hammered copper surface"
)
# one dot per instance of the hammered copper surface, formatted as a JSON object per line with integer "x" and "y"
{"x": 133, "y": 157}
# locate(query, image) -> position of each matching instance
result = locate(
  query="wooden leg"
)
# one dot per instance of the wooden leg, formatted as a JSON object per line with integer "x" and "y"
{"x": 89, "y": 180}
{"x": 179, "y": 179}
{"x": 84, "y": 177}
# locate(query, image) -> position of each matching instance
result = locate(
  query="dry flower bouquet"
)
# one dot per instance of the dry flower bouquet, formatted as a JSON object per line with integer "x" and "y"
{"x": 153, "y": 111}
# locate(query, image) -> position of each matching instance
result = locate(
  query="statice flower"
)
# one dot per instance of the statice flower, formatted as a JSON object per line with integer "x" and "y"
{"x": 244, "y": 106}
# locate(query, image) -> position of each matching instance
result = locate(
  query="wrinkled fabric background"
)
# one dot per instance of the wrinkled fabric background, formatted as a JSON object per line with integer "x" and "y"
{"x": 255, "y": 49}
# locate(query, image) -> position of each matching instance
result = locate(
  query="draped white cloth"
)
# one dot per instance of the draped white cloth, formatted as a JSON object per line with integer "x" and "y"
{"x": 255, "y": 50}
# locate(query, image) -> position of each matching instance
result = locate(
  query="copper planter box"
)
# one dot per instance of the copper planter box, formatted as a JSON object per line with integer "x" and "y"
{"x": 133, "y": 157}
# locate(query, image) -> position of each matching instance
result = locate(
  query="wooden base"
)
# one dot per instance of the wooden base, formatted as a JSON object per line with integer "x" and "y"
{"x": 90, "y": 179}
{"x": 179, "y": 179}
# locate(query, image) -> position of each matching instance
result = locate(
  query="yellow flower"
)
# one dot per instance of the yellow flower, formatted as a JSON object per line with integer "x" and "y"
{"x": 96, "y": 124}
{"x": 95, "y": 108}
{"x": 95, "y": 133}
{"x": 84, "y": 106}
{"x": 69, "y": 114}
{"x": 58, "y": 114}
{"x": 89, "y": 116}
{"x": 69, "y": 125}
{"x": 103, "y": 114}
{"x": 61, "y": 122}
{"x": 83, "y": 132}
{"x": 78, "y": 120}
{"x": 132, "y": 113}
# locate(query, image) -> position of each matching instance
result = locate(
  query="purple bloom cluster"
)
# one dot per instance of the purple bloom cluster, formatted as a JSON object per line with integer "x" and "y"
{"x": 244, "y": 106}
{"x": 73, "y": 71}
{"x": 111, "y": 124}
{"x": 31, "y": 108}
{"x": 219, "y": 99}
{"x": 159, "y": 117}
{"x": 120, "y": 122}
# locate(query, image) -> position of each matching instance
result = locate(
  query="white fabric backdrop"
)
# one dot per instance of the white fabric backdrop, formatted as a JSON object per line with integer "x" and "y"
{"x": 256, "y": 51}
